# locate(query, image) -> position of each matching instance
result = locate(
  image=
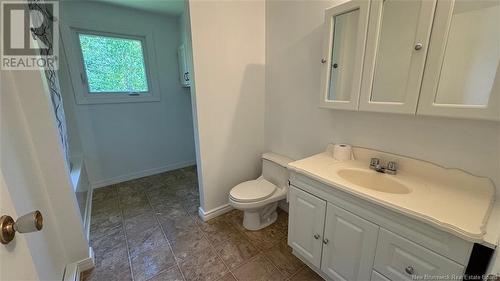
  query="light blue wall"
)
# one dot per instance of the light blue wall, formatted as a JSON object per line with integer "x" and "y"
{"x": 129, "y": 140}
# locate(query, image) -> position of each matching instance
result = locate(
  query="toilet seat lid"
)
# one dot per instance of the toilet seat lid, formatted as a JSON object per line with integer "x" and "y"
{"x": 251, "y": 191}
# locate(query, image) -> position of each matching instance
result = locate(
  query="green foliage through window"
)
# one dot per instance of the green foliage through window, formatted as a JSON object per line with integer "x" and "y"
{"x": 113, "y": 64}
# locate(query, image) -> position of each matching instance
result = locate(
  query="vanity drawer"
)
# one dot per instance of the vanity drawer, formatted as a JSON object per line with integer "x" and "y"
{"x": 400, "y": 259}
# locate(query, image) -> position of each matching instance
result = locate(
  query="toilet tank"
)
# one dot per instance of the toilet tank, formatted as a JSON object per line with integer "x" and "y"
{"x": 274, "y": 168}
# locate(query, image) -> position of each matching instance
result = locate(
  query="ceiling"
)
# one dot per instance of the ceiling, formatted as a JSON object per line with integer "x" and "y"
{"x": 168, "y": 7}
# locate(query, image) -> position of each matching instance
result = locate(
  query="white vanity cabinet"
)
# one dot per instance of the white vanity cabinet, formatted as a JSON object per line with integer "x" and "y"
{"x": 345, "y": 238}
{"x": 328, "y": 237}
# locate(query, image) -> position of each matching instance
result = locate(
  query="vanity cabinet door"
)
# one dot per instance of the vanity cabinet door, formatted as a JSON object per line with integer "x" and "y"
{"x": 306, "y": 224}
{"x": 396, "y": 49}
{"x": 349, "y": 245}
{"x": 462, "y": 74}
{"x": 346, "y": 25}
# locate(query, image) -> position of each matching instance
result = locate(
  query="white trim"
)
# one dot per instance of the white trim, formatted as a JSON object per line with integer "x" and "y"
{"x": 143, "y": 173}
{"x": 88, "y": 212}
{"x": 71, "y": 273}
{"x": 87, "y": 263}
{"x": 73, "y": 270}
{"x": 215, "y": 212}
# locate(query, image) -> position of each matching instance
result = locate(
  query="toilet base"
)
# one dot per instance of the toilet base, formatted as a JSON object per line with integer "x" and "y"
{"x": 259, "y": 218}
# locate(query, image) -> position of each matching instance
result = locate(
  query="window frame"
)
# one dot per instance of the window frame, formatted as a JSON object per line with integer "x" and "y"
{"x": 74, "y": 56}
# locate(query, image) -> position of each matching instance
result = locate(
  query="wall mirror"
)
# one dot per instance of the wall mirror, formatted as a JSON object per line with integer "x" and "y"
{"x": 462, "y": 76}
{"x": 470, "y": 63}
{"x": 342, "y": 63}
{"x": 398, "y": 35}
{"x": 345, "y": 35}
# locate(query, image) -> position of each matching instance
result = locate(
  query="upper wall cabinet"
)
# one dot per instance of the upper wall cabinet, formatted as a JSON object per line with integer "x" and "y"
{"x": 396, "y": 47}
{"x": 462, "y": 75}
{"x": 425, "y": 57}
{"x": 183, "y": 66}
{"x": 346, "y": 27}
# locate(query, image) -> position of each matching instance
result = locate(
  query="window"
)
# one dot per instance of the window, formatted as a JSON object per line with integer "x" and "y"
{"x": 113, "y": 65}
{"x": 110, "y": 63}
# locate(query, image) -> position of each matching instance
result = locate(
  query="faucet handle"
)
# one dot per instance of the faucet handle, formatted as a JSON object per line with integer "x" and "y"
{"x": 374, "y": 162}
{"x": 392, "y": 167}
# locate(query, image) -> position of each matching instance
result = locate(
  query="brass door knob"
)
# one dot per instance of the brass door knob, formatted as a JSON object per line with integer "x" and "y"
{"x": 28, "y": 223}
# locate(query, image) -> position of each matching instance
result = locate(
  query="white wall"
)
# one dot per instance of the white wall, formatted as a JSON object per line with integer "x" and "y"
{"x": 128, "y": 140}
{"x": 228, "y": 39}
{"x": 296, "y": 127}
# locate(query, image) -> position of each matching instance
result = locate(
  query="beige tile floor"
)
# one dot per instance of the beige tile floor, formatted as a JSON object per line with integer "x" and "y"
{"x": 148, "y": 229}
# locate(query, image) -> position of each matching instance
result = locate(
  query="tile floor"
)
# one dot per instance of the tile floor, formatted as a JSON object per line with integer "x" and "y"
{"x": 149, "y": 229}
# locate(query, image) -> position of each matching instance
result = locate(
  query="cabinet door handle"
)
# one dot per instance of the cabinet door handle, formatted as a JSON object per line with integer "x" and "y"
{"x": 316, "y": 236}
{"x": 325, "y": 241}
{"x": 410, "y": 270}
{"x": 419, "y": 46}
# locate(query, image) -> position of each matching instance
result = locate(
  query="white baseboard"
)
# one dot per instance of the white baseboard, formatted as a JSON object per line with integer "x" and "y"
{"x": 87, "y": 263}
{"x": 140, "y": 174}
{"x": 207, "y": 215}
{"x": 73, "y": 270}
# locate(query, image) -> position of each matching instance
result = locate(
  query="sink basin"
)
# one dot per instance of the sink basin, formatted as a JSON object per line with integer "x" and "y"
{"x": 372, "y": 180}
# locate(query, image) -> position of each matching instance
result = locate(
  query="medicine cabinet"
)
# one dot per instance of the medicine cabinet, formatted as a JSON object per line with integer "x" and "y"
{"x": 432, "y": 57}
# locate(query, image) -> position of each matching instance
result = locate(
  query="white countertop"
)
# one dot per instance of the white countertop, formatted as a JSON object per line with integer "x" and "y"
{"x": 449, "y": 199}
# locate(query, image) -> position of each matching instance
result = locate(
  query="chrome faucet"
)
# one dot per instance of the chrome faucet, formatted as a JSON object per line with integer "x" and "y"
{"x": 391, "y": 168}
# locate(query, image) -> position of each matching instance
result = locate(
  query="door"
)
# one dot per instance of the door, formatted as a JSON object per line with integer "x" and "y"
{"x": 396, "y": 49}
{"x": 15, "y": 259}
{"x": 349, "y": 245}
{"x": 344, "y": 45}
{"x": 33, "y": 177}
{"x": 462, "y": 74}
{"x": 306, "y": 223}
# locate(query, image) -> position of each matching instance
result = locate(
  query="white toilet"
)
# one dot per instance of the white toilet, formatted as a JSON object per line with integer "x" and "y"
{"x": 258, "y": 199}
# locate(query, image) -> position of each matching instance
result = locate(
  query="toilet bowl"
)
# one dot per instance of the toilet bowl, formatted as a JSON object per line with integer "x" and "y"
{"x": 258, "y": 199}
